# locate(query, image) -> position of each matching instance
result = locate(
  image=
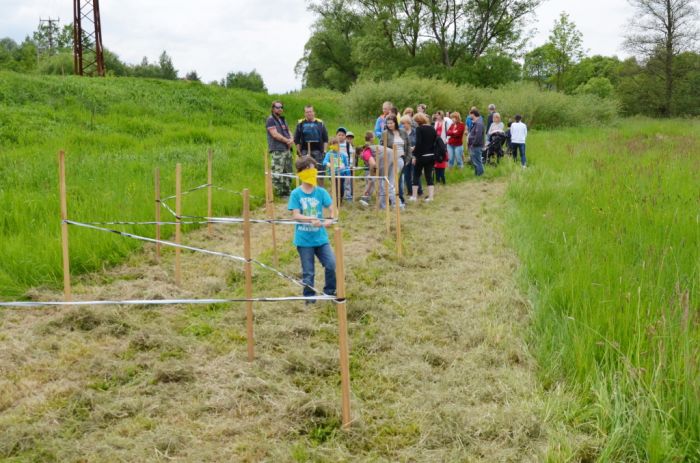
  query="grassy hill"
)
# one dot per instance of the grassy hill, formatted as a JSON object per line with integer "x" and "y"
{"x": 115, "y": 132}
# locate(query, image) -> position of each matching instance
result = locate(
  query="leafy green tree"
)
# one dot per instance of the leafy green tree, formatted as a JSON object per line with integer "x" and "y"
{"x": 658, "y": 33}
{"x": 590, "y": 67}
{"x": 539, "y": 65}
{"x": 327, "y": 60}
{"x": 493, "y": 69}
{"x": 252, "y": 81}
{"x": 167, "y": 69}
{"x": 375, "y": 39}
{"x": 567, "y": 48}
{"x": 193, "y": 76}
{"x": 599, "y": 86}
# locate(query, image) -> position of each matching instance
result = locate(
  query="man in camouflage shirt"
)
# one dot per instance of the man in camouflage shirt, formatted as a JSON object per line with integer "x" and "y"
{"x": 279, "y": 144}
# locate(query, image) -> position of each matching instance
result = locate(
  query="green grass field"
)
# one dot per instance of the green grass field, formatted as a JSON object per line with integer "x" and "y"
{"x": 606, "y": 223}
{"x": 607, "y": 226}
{"x": 116, "y": 132}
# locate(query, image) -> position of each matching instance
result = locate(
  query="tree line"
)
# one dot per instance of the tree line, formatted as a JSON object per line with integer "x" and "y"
{"x": 483, "y": 43}
{"x": 49, "y": 50}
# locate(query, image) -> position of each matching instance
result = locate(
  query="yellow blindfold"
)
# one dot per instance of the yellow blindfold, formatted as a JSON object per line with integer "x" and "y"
{"x": 309, "y": 176}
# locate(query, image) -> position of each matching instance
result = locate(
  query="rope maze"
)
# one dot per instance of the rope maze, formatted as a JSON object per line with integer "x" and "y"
{"x": 390, "y": 188}
{"x": 247, "y": 261}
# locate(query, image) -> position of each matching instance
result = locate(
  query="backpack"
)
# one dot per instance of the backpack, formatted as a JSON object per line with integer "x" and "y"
{"x": 439, "y": 149}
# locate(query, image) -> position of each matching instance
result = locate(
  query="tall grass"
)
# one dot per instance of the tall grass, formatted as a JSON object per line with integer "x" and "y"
{"x": 607, "y": 224}
{"x": 115, "y": 132}
{"x": 540, "y": 109}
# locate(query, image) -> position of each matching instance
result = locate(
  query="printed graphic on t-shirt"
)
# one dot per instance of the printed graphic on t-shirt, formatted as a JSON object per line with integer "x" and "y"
{"x": 310, "y": 208}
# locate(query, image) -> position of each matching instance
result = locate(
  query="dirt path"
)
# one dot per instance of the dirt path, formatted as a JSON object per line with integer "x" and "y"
{"x": 440, "y": 371}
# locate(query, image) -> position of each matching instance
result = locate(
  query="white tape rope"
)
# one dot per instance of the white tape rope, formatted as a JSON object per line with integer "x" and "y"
{"x": 207, "y": 220}
{"x": 195, "y": 249}
{"x": 34, "y": 304}
{"x": 337, "y": 176}
{"x": 206, "y": 185}
{"x": 186, "y": 192}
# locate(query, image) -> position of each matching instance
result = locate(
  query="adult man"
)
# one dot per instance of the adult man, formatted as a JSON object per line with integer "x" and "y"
{"x": 311, "y": 137}
{"x": 279, "y": 143}
{"x": 476, "y": 141}
{"x": 381, "y": 120}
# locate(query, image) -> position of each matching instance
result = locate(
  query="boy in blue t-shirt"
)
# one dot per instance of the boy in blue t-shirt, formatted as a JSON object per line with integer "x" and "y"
{"x": 307, "y": 202}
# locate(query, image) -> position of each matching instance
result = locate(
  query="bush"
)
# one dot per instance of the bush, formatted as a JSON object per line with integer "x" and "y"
{"x": 539, "y": 108}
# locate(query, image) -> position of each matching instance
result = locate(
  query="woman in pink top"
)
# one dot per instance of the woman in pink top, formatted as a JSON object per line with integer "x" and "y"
{"x": 455, "y": 147}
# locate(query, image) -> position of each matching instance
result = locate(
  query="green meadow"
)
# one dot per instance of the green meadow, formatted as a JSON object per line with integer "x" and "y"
{"x": 605, "y": 222}
{"x": 115, "y": 133}
{"x": 607, "y": 226}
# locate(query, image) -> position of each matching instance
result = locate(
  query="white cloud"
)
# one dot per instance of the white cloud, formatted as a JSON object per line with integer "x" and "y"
{"x": 601, "y": 22}
{"x": 218, "y": 36}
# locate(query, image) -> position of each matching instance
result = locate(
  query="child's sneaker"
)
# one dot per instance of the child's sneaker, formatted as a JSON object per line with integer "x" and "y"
{"x": 412, "y": 198}
{"x": 427, "y": 200}
{"x": 364, "y": 203}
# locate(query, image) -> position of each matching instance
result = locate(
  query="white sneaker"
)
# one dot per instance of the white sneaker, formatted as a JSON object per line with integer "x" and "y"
{"x": 364, "y": 203}
{"x": 427, "y": 200}
{"x": 524, "y": 166}
{"x": 412, "y": 198}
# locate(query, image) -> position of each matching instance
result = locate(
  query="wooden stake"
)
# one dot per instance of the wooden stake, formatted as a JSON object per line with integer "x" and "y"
{"x": 157, "y": 198}
{"x": 209, "y": 183}
{"x": 308, "y": 153}
{"x": 386, "y": 188}
{"x": 341, "y": 307}
{"x": 178, "y": 214}
{"x": 248, "y": 266}
{"x": 270, "y": 206}
{"x": 334, "y": 191}
{"x": 397, "y": 181}
{"x": 67, "y": 294}
{"x": 353, "y": 184}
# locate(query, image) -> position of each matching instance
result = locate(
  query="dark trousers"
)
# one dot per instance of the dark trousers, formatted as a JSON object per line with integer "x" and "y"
{"x": 440, "y": 175}
{"x": 427, "y": 169}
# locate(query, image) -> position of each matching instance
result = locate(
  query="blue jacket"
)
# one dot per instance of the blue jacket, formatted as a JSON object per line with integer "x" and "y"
{"x": 336, "y": 156}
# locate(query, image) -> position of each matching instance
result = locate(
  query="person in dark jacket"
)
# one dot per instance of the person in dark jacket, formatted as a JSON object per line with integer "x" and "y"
{"x": 311, "y": 138}
{"x": 476, "y": 141}
{"x": 424, "y": 155}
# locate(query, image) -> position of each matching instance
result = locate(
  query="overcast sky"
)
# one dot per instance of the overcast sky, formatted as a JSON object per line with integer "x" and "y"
{"x": 218, "y": 36}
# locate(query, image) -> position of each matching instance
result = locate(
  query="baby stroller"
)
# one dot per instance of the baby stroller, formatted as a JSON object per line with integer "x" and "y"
{"x": 494, "y": 150}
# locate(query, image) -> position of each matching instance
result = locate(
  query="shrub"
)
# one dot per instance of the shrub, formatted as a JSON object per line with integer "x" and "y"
{"x": 539, "y": 108}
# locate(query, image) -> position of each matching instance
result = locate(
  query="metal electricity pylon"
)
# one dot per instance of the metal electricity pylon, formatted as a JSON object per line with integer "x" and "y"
{"x": 88, "y": 57}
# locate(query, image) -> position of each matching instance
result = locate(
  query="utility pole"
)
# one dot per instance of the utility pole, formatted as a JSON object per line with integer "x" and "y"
{"x": 52, "y": 26}
{"x": 88, "y": 57}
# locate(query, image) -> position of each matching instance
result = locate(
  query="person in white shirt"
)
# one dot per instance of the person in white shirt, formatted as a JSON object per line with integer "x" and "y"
{"x": 442, "y": 124}
{"x": 518, "y": 134}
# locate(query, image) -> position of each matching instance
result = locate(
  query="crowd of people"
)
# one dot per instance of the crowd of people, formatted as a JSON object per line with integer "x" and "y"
{"x": 422, "y": 146}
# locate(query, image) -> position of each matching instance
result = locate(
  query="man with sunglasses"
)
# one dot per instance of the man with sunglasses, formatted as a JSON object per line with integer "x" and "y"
{"x": 279, "y": 144}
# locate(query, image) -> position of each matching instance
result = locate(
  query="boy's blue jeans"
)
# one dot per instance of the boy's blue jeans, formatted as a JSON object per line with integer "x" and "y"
{"x": 327, "y": 258}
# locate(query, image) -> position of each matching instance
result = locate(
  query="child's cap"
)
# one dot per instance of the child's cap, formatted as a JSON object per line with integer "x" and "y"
{"x": 350, "y": 134}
